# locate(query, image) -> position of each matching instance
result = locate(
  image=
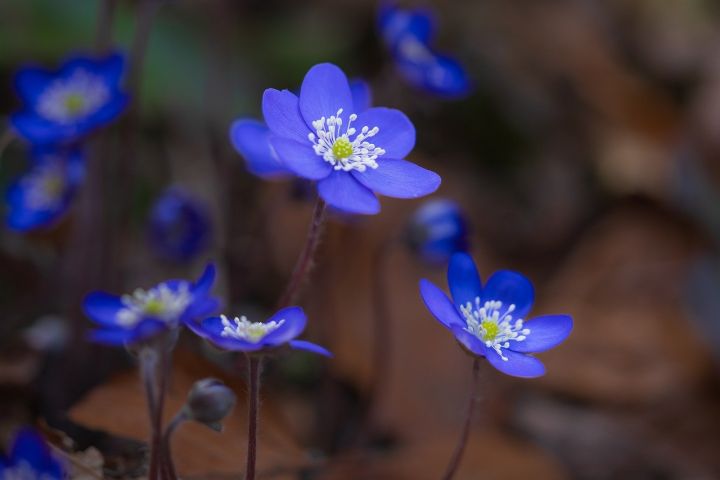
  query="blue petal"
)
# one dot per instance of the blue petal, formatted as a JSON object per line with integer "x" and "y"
{"x": 434, "y": 73}
{"x": 463, "y": 279}
{"x": 469, "y": 341}
{"x": 396, "y": 135}
{"x": 294, "y": 324}
{"x": 203, "y": 284}
{"x": 309, "y": 347}
{"x": 511, "y": 288}
{"x": 341, "y": 191}
{"x": 30, "y": 447}
{"x": 397, "y": 23}
{"x": 106, "y": 114}
{"x": 102, "y": 308}
{"x": 211, "y": 329}
{"x": 399, "y": 179}
{"x": 301, "y": 158}
{"x": 38, "y": 130}
{"x": 282, "y": 115}
{"x": 517, "y": 364}
{"x": 251, "y": 139}
{"x": 546, "y": 332}
{"x": 361, "y": 94}
{"x": 324, "y": 91}
{"x": 200, "y": 308}
{"x": 31, "y": 82}
{"x": 110, "y": 67}
{"x": 112, "y": 337}
{"x": 440, "y": 305}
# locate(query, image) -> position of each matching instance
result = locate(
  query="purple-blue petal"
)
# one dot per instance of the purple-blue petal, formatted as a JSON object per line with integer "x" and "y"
{"x": 203, "y": 284}
{"x": 342, "y": 191}
{"x": 309, "y": 347}
{"x": 517, "y": 364}
{"x": 251, "y": 139}
{"x": 361, "y": 94}
{"x": 300, "y": 158}
{"x": 396, "y": 23}
{"x": 211, "y": 330}
{"x": 112, "y": 337}
{"x": 437, "y": 74}
{"x": 30, "y": 447}
{"x": 102, "y": 308}
{"x": 39, "y": 131}
{"x": 511, "y": 288}
{"x": 282, "y": 115}
{"x": 396, "y": 132}
{"x": 546, "y": 332}
{"x": 293, "y": 325}
{"x": 399, "y": 179}
{"x": 324, "y": 91}
{"x": 200, "y": 308}
{"x": 30, "y": 83}
{"x": 440, "y": 305}
{"x": 463, "y": 279}
{"x": 111, "y": 67}
{"x": 469, "y": 341}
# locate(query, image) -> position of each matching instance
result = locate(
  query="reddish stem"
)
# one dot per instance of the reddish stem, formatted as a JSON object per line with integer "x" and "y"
{"x": 462, "y": 443}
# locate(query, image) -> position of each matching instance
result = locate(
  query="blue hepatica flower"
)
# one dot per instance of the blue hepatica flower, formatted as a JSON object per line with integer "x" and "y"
{"x": 240, "y": 334}
{"x": 251, "y": 138}
{"x": 42, "y": 195}
{"x": 352, "y": 156}
{"x": 142, "y": 315}
{"x": 408, "y": 35}
{"x": 64, "y": 105}
{"x": 437, "y": 230}
{"x": 179, "y": 226}
{"x": 30, "y": 458}
{"x": 490, "y": 321}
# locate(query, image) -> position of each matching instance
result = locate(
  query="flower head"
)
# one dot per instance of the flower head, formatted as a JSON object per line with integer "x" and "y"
{"x": 179, "y": 226}
{"x": 251, "y": 138}
{"x": 490, "y": 321}
{"x": 352, "y": 155}
{"x": 43, "y": 194}
{"x": 437, "y": 230}
{"x": 64, "y": 105}
{"x": 30, "y": 459}
{"x": 240, "y": 334}
{"x": 408, "y": 35}
{"x": 145, "y": 313}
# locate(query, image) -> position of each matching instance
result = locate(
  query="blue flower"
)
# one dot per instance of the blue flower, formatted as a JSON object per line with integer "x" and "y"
{"x": 319, "y": 136}
{"x": 179, "y": 227}
{"x": 65, "y": 105}
{"x": 42, "y": 195}
{"x": 437, "y": 230}
{"x": 240, "y": 334}
{"x": 490, "y": 321}
{"x": 30, "y": 458}
{"x": 408, "y": 35}
{"x": 251, "y": 138}
{"x": 133, "y": 318}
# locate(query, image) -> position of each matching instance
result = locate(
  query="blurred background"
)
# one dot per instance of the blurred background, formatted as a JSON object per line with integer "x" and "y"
{"x": 585, "y": 156}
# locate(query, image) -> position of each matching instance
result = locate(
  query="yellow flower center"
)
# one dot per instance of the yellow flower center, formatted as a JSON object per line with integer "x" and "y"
{"x": 342, "y": 148}
{"x": 154, "y": 307}
{"x": 74, "y": 103}
{"x": 490, "y": 329}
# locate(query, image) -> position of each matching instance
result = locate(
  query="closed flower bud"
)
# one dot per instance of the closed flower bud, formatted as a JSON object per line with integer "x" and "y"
{"x": 209, "y": 401}
{"x": 437, "y": 230}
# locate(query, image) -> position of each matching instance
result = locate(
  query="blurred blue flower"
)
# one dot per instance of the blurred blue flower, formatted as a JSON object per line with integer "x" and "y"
{"x": 408, "y": 35}
{"x": 490, "y": 321}
{"x": 251, "y": 138}
{"x": 437, "y": 230}
{"x": 30, "y": 458}
{"x": 240, "y": 334}
{"x": 64, "y": 105}
{"x": 314, "y": 137}
{"x": 179, "y": 226}
{"x": 133, "y": 318}
{"x": 42, "y": 195}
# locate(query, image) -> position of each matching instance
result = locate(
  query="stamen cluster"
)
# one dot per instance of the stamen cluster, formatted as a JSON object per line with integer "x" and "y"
{"x": 243, "y": 329}
{"x": 67, "y": 99}
{"x": 45, "y": 185}
{"x": 160, "y": 302}
{"x": 495, "y": 327}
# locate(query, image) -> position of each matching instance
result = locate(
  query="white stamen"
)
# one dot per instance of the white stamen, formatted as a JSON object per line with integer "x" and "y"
{"x": 243, "y": 329}
{"x": 68, "y": 99}
{"x": 159, "y": 302}
{"x": 493, "y": 326}
{"x": 45, "y": 185}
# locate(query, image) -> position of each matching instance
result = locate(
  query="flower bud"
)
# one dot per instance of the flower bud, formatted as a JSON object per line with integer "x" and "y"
{"x": 437, "y": 230}
{"x": 209, "y": 401}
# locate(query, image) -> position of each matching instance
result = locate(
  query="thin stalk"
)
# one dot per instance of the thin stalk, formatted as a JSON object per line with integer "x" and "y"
{"x": 253, "y": 404}
{"x": 164, "y": 375}
{"x": 167, "y": 449}
{"x": 462, "y": 443}
{"x": 148, "y": 372}
{"x": 304, "y": 261}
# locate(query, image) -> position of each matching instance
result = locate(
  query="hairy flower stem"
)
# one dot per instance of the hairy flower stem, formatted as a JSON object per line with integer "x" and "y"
{"x": 304, "y": 261}
{"x": 462, "y": 443}
{"x": 253, "y": 362}
{"x": 169, "y": 465}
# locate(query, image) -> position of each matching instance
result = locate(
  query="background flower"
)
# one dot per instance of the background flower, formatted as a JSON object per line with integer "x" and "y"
{"x": 30, "y": 458}
{"x": 437, "y": 229}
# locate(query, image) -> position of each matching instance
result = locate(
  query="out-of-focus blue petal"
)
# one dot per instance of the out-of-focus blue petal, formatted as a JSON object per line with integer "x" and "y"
{"x": 282, "y": 115}
{"x": 469, "y": 341}
{"x": 517, "y": 364}
{"x": 361, "y": 94}
{"x": 437, "y": 74}
{"x": 341, "y": 191}
{"x": 110, "y": 67}
{"x": 440, "y": 305}
{"x": 251, "y": 139}
{"x": 211, "y": 330}
{"x": 203, "y": 284}
{"x": 30, "y": 82}
{"x": 309, "y": 347}
{"x": 396, "y": 132}
{"x": 293, "y": 325}
{"x": 106, "y": 114}
{"x": 40, "y": 131}
{"x": 324, "y": 91}
{"x": 546, "y": 332}
{"x": 178, "y": 226}
{"x": 511, "y": 288}
{"x": 399, "y": 179}
{"x": 397, "y": 23}
{"x": 102, "y": 308}
{"x": 438, "y": 229}
{"x": 464, "y": 279}
{"x": 30, "y": 447}
{"x": 301, "y": 158}
{"x": 200, "y": 308}
{"x": 112, "y": 337}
